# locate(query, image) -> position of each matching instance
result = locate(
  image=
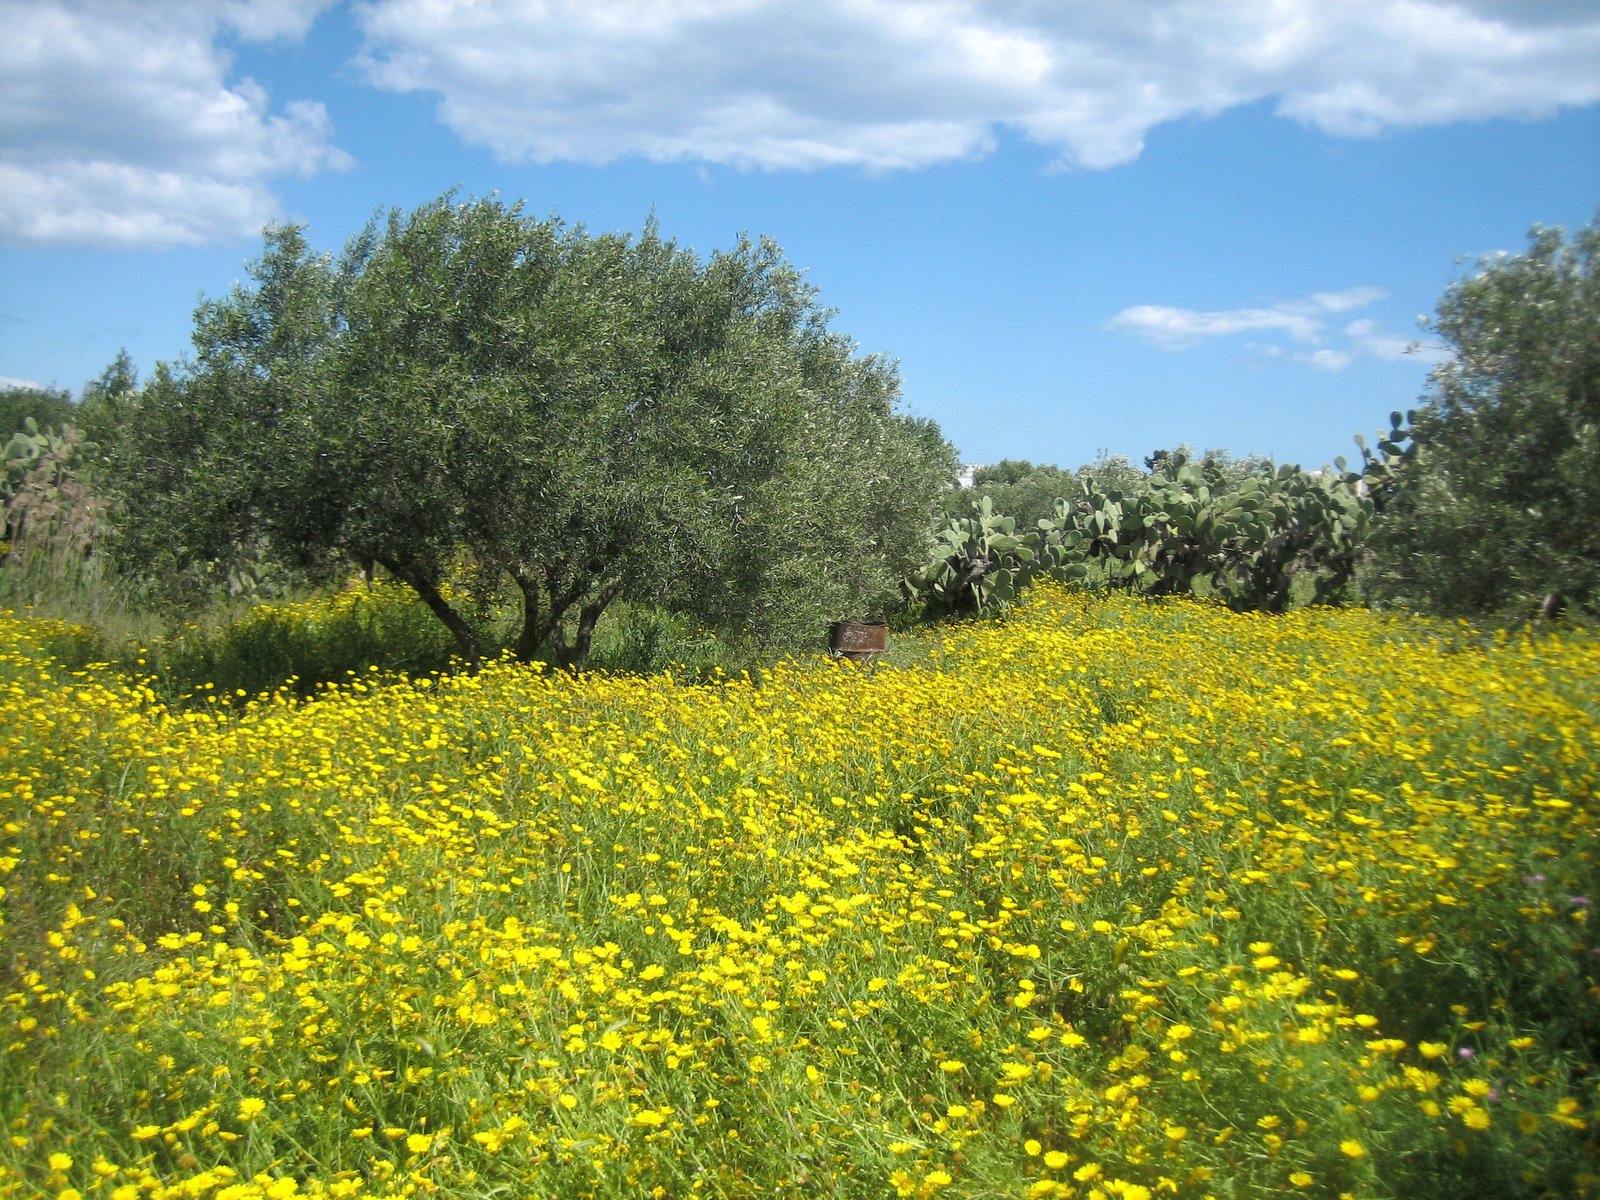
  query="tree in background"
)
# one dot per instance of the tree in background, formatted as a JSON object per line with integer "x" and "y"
{"x": 1024, "y": 491}
{"x": 1028, "y": 492}
{"x": 1499, "y": 507}
{"x": 1110, "y": 473}
{"x": 50, "y": 408}
{"x": 53, "y": 409}
{"x": 584, "y": 418}
{"x": 100, "y": 404}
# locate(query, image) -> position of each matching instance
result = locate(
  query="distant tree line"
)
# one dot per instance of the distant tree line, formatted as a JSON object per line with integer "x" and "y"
{"x": 46, "y": 407}
{"x": 485, "y": 406}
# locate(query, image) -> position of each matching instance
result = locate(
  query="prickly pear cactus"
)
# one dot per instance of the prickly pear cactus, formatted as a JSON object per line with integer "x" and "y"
{"x": 23, "y": 452}
{"x": 1269, "y": 541}
{"x": 978, "y": 562}
{"x": 1383, "y": 469}
{"x": 45, "y": 499}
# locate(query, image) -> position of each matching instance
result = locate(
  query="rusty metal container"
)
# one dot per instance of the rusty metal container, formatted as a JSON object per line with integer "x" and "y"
{"x": 859, "y": 641}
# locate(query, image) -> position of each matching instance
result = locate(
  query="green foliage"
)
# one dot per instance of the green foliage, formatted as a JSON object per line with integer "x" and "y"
{"x": 1252, "y": 536}
{"x": 53, "y": 528}
{"x": 23, "y": 451}
{"x": 1220, "y": 469}
{"x": 978, "y": 562}
{"x": 1274, "y": 540}
{"x": 639, "y": 639}
{"x": 1108, "y": 472}
{"x": 1029, "y": 492}
{"x": 238, "y": 652}
{"x": 101, "y": 407}
{"x": 1021, "y": 489}
{"x": 580, "y": 417}
{"x": 54, "y": 516}
{"x": 1497, "y": 507}
{"x": 47, "y": 408}
{"x": 47, "y": 501}
{"x": 1385, "y": 467}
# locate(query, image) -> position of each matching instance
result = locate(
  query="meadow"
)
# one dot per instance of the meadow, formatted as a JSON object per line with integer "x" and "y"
{"x": 1115, "y": 898}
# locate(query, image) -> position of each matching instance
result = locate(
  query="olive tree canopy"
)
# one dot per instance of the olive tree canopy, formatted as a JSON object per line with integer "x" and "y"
{"x": 1498, "y": 506}
{"x": 583, "y": 417}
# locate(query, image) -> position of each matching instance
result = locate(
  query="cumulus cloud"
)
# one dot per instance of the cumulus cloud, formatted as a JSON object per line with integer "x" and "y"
{"x": 121, "y": 121}
{"x": 1181, "y": 328}
{"x": 1303, "y": 322}
{"x": 119, "y": 125}
{"x": 885, "y": 84}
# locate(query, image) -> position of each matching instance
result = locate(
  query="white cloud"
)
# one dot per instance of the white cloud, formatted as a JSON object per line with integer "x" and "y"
{"x": 1301, "y": 321}
{"x": 122, "y": 123}
{"x": 1181, "y": 328}
{"x": 1356, "y": 297}
{"x": 10, "y": 381}
{"x": 886, "y": 84}
{"x": 1328, "y": 360}
{"x": 267, "y": 20}
{"x": 119, "y": 125}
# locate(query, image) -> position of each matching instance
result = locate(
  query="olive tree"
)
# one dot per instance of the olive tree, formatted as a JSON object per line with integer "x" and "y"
{"x": 469, "y": 393}
{"x": 1498, "y": 506}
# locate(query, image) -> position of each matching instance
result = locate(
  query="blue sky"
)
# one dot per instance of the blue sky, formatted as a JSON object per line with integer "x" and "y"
{"x": 1079, "y": 226}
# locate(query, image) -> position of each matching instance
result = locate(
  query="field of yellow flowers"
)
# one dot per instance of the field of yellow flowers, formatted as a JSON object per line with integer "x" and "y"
{"x": 1113, "y": 899}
